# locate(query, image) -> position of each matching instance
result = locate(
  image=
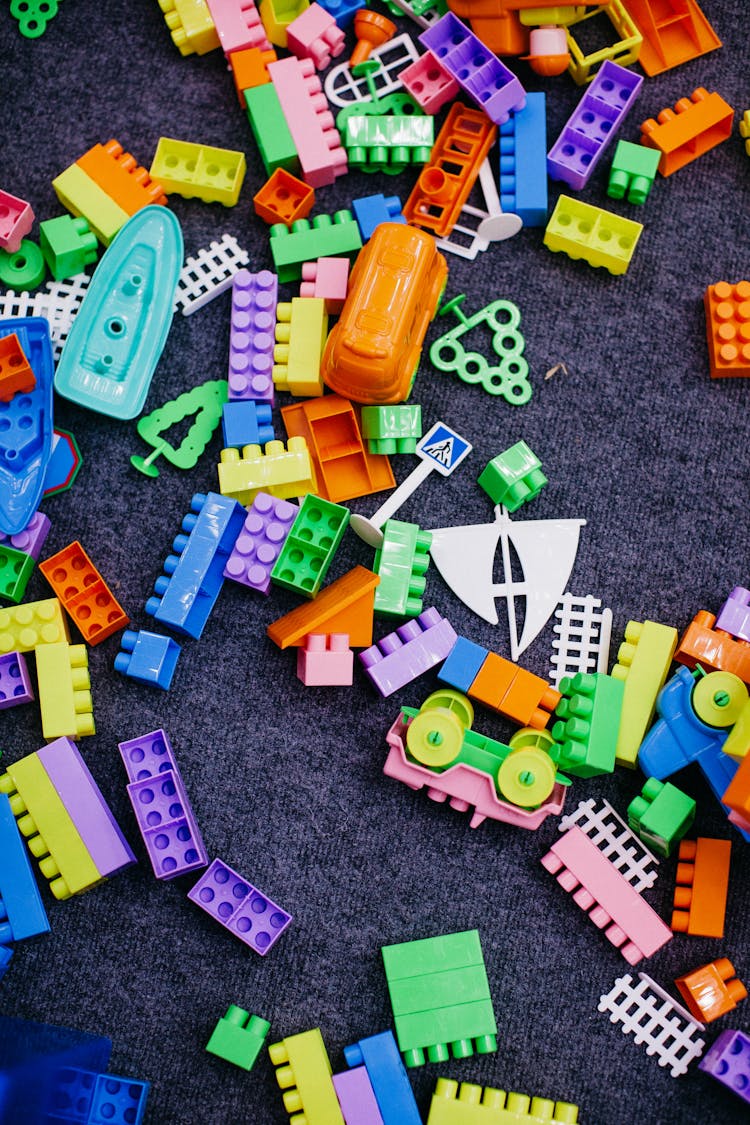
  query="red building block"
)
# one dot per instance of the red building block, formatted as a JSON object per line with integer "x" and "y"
{"x": 250, "y": 68}
{"x": 15, "y": 370}
{"x": 711, "y": 991}
{"x": 728, "y": 328}
{"x": 84, "y": 594}
{"x": 700, "y": 897}
{"x": 283, "y": 198}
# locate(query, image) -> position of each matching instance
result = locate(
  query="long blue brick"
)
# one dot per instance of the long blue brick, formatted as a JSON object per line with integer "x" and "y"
{"x": 388, "y": 1078}
{"x": 22, "y": 913}
{"x": 523, "y": 162}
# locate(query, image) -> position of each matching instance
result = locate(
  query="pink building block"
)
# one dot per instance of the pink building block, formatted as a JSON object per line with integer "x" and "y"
{"x": 259, "y": 544}
{"x": 16, "y": 220}
{"x": 327, "y": 278}
{"x": 326, "y": 661}
{"x": 427, "y": 82}
{"x": 32, "y": 538}
{"x": 310, "y": 122}
{"x": 610, "y": 901}
{"x": 238, "y": 25}
{"x": 315, "y": 35}
{"x": 357, "y": 1097}
{"x": 408, "y": 652}
{"x": 465, "y": 787}
{"x": 251, "y": 336}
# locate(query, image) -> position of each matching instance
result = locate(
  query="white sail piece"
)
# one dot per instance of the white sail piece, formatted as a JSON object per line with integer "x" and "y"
{"x": 465, "y": 557}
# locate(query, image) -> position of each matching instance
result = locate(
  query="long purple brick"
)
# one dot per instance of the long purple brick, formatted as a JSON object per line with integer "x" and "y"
{"x": 15, "y": 684}
{"x": 251, "y": 336}
{"x": 357, "y": 1097}
{"x": 409, "y": 652}
{"x": 240, "y": 907}
{"x": 31, "y": 539}
{"x": 92, "y": 816}
{"x": 259, "y": 544}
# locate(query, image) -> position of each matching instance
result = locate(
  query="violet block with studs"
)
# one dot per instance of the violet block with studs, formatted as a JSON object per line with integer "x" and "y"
{"x": 240, "y": 907}
{"x": 15, "y": 685}
{"x": 409, "y": 652}
{"x": 728, "y": 1061}
{"x": 259, "y": 544}
{"x": 734, "y": 615}
{"x": 31, "y": 539}
{"x": 251, "y": 336}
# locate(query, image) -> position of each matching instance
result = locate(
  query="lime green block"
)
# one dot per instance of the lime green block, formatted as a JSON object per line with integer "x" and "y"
{"x": 588, "y": 724}
{"x": 310, "y": 546}
{"x": 661, "y": 816}
{"x": 81, "y": 196}
{"x": 238, "y": 1037}
{"x": 392, "y": 429}
{"x": 271, "y": 132}
{"x": 15, "y": 572}
{"x": 633, "y": 171}
{"x": 513, "y": 477}
{"x": 432, "y": 955}
{"x": 401, "y": 564}
{"x": 437, "y": 990}
{"x": 643, "y": 662}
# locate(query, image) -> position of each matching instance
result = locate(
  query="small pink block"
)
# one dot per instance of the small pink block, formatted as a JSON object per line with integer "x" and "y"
{"x": 326, "y": 661}
{"x": 238, "y": 25}
{"x": 606, "y": 896}
{"x": 16, "y": 220}
{"x": 311, "y": 123}
{"x": 327, "y": 278}
{"x": 315, "y": 35}
{"x": 357, "y": 1097}
{"x": 427, "y": 82}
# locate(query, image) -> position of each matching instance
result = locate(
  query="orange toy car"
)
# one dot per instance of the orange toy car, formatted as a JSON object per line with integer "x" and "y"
{"x": 372, "y": 354}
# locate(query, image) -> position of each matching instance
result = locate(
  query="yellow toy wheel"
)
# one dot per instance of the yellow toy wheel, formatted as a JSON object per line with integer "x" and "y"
{"x": 435, "y": 737}
{"x": 526, "y": 777}
{"x": 528, "y": 737}
{"x": 453, "y": 701}
{"x": 718, "y": 699}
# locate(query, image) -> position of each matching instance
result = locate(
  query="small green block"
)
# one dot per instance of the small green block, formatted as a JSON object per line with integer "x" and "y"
{"x": 513, "y": 477}
{"x": 388, "y": 144}
{"x": 68, "y": 245}
{"x": 238, "y": 1037}
{"x": 588, "y": 724}
{"x": 661, "y": 816}
{"x": 271, "y": 132}
{"x": 392, "y": 429}
{"x": 401, "y": 564}
{"x": 15, "y": 572}
{"x": 633, "y": 171}
{"x": 24, "y": 269}
{"x": 327, "y": 236}
{"x": 310, "y": 546}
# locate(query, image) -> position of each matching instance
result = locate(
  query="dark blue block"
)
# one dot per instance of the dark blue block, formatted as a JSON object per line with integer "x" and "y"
{"x": 149, "y": 658}
{"x": 22, "y": 914}
{"x": 388, "y": 1078}
{"x": 523, "y": 162}
{"x": 118, "y": 1101}
{"x": 246, "y": 423}
{"x": 372, "y": 210}
{"x": 342, "y": 10}
{"x": 5, "y": 959}
{"x": 463, "y": 664}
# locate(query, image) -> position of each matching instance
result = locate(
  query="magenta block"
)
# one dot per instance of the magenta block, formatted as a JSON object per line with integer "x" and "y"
{"x": 427, "y": 82}
{"x": 409, "y": 652}
{"x": 86, "y": 807}
{"x": 31, "y": 539}
{"x": 356, "y": 1097}
{"x": 315, "y": 35}
{"x": 239, "y": 907}
{"x": 259, "y": 544}
{"x": 728, "y": 1061}
{"x": 734, "y": 615}
{"x": 16, "y": 220}
{"x": 15, "y": 685}
{"x": 251, "y": 336}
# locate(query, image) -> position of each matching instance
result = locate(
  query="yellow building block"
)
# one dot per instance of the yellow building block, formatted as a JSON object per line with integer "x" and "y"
{"x": 305, "y": 1075}
{"x": 472, "y": 1105}
{"x": 64, "y": 691}
{"x": 190, "y": 25}
{"x": 745, "y": 129}
{"x": 598, "y": 236}
{"x": 643, "y": 662}
{"x": 624, "y": 51}
{"x": 738, "y": 743}
{"x": 282, "y": 472}
{"x": 50, "y": 833}
{"x": 25, "y": 627}
{"x": 277, "y": 15}
{"x": 301, "y": 330}
{"x": 214, "y": 175}
{"x": 81, "y": 196}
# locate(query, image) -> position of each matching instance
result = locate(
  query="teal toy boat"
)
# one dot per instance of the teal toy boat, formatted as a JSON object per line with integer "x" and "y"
{"x": 117, "y": 337}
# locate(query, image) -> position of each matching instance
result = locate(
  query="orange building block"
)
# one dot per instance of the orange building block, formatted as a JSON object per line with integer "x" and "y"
{"x": 712, "y": 648}
{"x": 711, "y": 991}
{"x": 250, "y": 68}
{"x": 15, "y": 370}
{"x": 283, "y": 198}
{"x": 117, "y": 173}
{"x": 695, "y": 126}
{"x": 344, "y": 467}
{"x": 737, "y": 796}
{"x": 84, "y": 594}
{"x": 728, "y": 328}
{"x": 346, "y": 606}
{"x": 700, "y": 897}
{"x": 674, "y": 31}
{"x": 514, "y": 692}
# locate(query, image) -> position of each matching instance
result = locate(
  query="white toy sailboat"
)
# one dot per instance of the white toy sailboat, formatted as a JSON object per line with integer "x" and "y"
{"x": 546, "y": 549}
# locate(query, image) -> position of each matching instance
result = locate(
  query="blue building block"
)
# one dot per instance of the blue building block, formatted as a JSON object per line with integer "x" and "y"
{"x": 118, "y": 1101}
{"x": 149, "y": 658}
{"x": 5, "y": 959}
{"x": 193, "y": 576}
{"x": 342, "y": 10}
{"x": 372, "y": 210}
{"x": 246, "y": 423}
{"x": 523, "y": 162}
{"x": 388, "y": 1078}
{"x": 22, "y": 914}
{"x": 463, "y": 664}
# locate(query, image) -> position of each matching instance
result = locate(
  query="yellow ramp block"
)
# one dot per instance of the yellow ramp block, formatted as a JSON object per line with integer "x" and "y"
{"x": 64, "y": 691}
{"x": 305, "y": 1075}
{"x": 25, "y": 627}
{"x": 643, "y": 662}
{"x": 81, "y": 196}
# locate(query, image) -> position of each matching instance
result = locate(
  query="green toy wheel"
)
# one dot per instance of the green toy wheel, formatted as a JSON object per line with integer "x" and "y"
{"x": 526, "y": 777}
{"x": 25, "y": 269}
{"x": 718, "y": 699}
{"x": 434, "y": 738}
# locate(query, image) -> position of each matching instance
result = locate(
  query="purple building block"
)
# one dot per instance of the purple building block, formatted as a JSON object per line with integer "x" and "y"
{"x": 734, "y": 615}
{"x": 15, "y": 685}
{"x": 409, "y": 652}
{"x": 728, "y": 1061}
{"x": 31, "y": 539}
{"x": 90, "y": 813}
{"x": 592, "y": 125}
{"x": 473, "y": 66}
{"x": 162, "y": 807}
{"x": 259, "y": 544}
{"x": 239, "y": 907}
{"x": 356, "y": 1097}
{"x": 251, "y": 336}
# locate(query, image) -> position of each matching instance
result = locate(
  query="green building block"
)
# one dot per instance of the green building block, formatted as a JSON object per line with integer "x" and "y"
{"x": 206, "y": 402}
{"x": 633, "y": 172}
{"x": 327, "y": 236}
{"x": 15, "y": 572}
{"x": 271, "y": 132}
{"x": 401, "y": 564}
{"x": 513, "y": 477}
{"x": 310, "y": 546}
{"x": 388, "y": 144}
{"x": 588, "y": 724}
{"x": 392, "y": 429}
{"x": 238, "y": 1037}
{"x": 68, "y": 245}
{"x": 24, "y": 268}
{"x": 441, "y": 998}
{"x": 661, "y": 816}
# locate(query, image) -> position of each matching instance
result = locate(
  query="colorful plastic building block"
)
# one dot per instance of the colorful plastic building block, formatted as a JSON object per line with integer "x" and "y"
{"x": 214, "y": 175}
{"x": 509, "y": 377}
{"x": 633, "y": 172}
{"x": 206, "y": 402}
{"x": 728, "y": 1061}
{"x": 390, "y": 1083}
{"x": 357, "y": 1097}
{"x": 411, "y": 650}
{"x": 190, "y": 25}
{"x": 389, "y": 143}
{"x": 624, "y": 51}
{"x": 736, "y": 797}
{"x": 401, "y": 563}
{"x": 429, "y": 83}
{"x": 15, "y": 682}
{"x": 238, "y": 1037}
{"x": 501, "y": 685}
{"x": 329, "y": 236}
{"x": 737, "y": 744}
{"x": 474, "y": 1105}
{"x": 105, "y": 1099}
{"x": 16, "y": 221}
{"x": 300, "y": 94}
{"x": 257, "y": 546}
{"x": 698, "y": 124}
{"x": 315, "y": 35}
{"x": 16, "y": 374}
{"x": 728, "y": 332}
{"x": 282, "y": 472}
{"x": 277, "y": 15}
{"x": 246, "y": 423}
{"x": 147, "y": 658}
{"x": 600, "y": 823}
{"x": 372, "y": 210}
{"x": 392, "y": 429}
{"x": 600, "y": 237}
{"x": 15, "y": 571}
{"x": 343, "y": 11}
{"x": 240, "y": 907}
{"x": 702, "y": 644}
{"x": 700, "y": 897}
{"x": 304, "y": 1074}
{"x": 301, "y": 330}
{"x": 734, "y": 615}
{"x": 194, "y": 574}
{"x": 162, "y": 807}
{"x": 64, "y": 691}
{"x": 643, "y": 662}
{"x": 661, "y": 815}
{"x": 84, "y": 594}
{"x": 712, "y": 990}
{"x": 209, "y": 273}
{"x": 328, "y": 280}
{"x": 251, "y": 336}
{"x": 283, "y": 198}
{"x": 25, "y": 269}
{"x": 68, "y": 245}
{"x": 629, "y": 922}
{"x": 588, "y": 721}
{"x": 83, "y": 198}
{"x": 250, "y": 68}
{"x": 32, "y": 624}
{"x": 270, "y": 129}
{"x": 238, "y": 25}
{"x": 326, "y": 661}
{"x": 523, "y": 162}
{"x": 655, "y": 1020}
{"x": 21, "y": 908}
{"x": 514, "y": 477}
{"x": 310, "y": 546}
{"x": 674, "y": 31}
{"x": 346, "y": 606}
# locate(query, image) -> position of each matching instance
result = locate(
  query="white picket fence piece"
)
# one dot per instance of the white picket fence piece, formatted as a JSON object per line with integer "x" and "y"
{"x": 58, "y": 301}
{"x": 598, "y": 820}
{"x": 653, "y": 1018}
{"x": 584, "y": 631}
{"x": 342, "y": 88}
{"x": 209, "y": 273}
